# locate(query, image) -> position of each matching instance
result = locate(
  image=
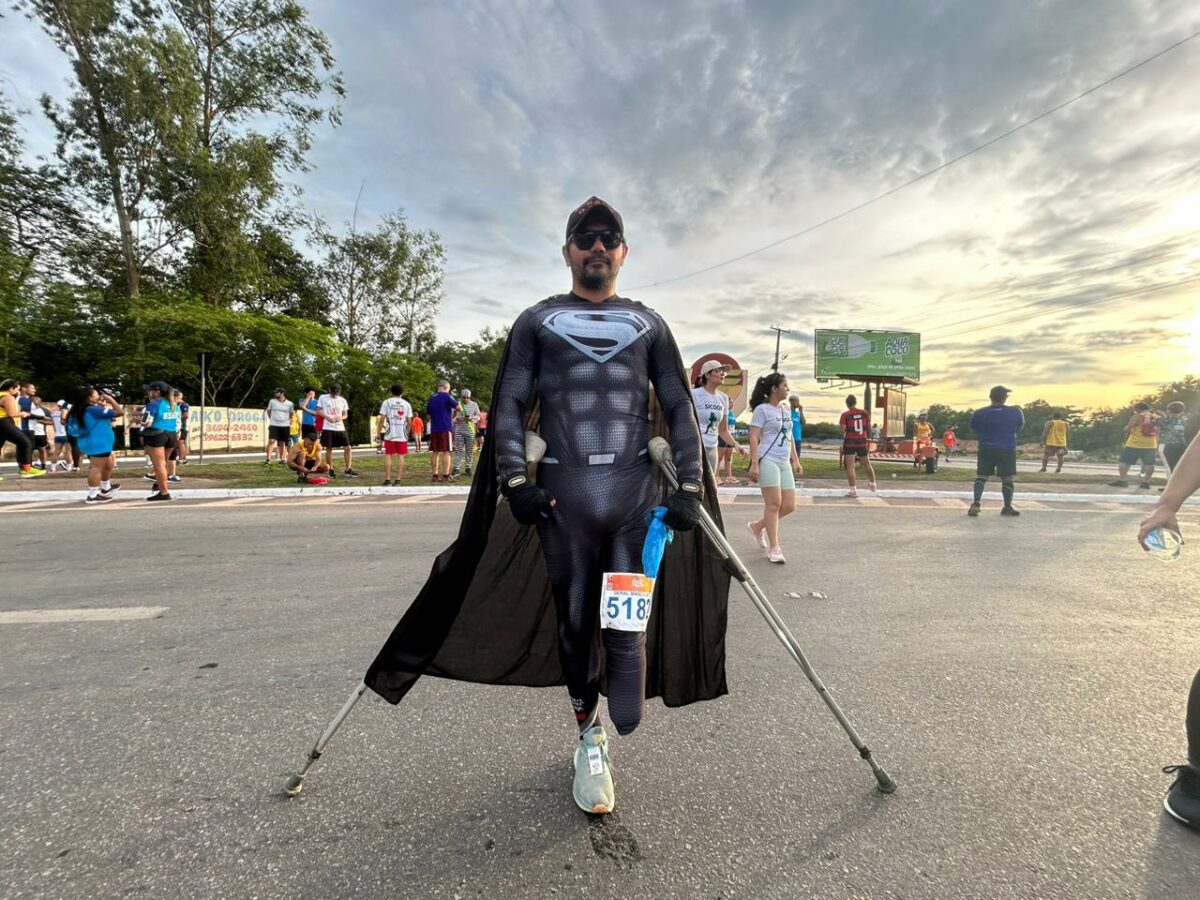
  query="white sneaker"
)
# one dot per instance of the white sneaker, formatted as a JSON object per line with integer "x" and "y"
{"x": 760, "y": 536}
{"x": 852, "y": 493}
{"x": 775, "y": 555}
{"x": 593, "y": 787}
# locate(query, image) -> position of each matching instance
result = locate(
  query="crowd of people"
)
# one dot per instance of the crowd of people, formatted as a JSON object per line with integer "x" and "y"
{"x": 300, "y": 436}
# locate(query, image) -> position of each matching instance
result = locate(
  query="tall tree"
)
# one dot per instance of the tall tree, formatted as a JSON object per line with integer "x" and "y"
{"x": 130, "y": 118}
{"x": 264, "y": 75}
{"x": 37, "y": 224}
{"x": 385, "y": 286}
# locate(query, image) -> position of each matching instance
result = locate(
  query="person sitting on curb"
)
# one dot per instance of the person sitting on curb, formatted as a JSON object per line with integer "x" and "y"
{"x": 304, "y": 458}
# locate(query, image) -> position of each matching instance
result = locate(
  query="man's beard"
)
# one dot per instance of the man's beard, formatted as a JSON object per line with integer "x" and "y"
{"x": 596, "y": 278}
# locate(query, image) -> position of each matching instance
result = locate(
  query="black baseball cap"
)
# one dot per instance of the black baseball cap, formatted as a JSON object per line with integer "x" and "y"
{"x": 279, "y": 391}
{"x": 161, "y": 386}
{"x": 999, "y": 392}
{"x": 589, "y": 206}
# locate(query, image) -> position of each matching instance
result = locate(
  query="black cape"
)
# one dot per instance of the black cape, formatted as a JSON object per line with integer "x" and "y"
{"x": 486, "y": 613}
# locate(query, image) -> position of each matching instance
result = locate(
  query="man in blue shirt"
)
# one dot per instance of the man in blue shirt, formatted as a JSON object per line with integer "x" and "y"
{"x": 997, "y": 426}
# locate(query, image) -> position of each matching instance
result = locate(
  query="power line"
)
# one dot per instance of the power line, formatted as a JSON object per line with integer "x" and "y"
{"x": 923, "y": 175}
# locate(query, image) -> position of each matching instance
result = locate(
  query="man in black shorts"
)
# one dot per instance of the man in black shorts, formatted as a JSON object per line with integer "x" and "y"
{"x": 856, "y": 427}
{"x": 997, "y": 426}
{"x": 333, "y": 410}
{"x": 279, "y": 426}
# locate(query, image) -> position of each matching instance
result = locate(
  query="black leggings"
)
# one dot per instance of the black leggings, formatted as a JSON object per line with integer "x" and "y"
{"x": 12, "y": 434}
{"x": 597, "y": 526}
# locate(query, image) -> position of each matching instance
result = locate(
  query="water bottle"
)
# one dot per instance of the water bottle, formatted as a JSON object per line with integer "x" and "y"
{"x": 658, "y": 535}
{"x": 1163, "y": 544}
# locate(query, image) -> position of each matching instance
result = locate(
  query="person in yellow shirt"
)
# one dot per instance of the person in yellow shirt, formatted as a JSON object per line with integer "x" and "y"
{"x": 1054, "y": 440}
{"x": 923, "y": 435}
{"x": 1141, "y": 446}
{"x": 304, "y": 458}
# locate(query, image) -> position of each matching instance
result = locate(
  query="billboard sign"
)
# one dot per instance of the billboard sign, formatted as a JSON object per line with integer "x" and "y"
{"x": 841, "y": 353}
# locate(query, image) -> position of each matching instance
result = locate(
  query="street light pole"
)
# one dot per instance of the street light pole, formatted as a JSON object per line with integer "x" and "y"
{"x": 778, "y": 333}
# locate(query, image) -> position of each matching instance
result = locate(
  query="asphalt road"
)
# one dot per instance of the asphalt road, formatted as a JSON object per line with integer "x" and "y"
{"x": 1022, "y": 680}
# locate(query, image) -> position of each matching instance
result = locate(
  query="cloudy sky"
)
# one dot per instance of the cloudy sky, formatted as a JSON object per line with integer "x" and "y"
{"x": 1050, "y": 261}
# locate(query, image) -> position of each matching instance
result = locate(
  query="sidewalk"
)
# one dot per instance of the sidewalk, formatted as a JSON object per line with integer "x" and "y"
{"x": 62, "y": 488}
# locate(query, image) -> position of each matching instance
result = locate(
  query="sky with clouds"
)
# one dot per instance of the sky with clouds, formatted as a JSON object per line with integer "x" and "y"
{"x": 1050, "y": 261}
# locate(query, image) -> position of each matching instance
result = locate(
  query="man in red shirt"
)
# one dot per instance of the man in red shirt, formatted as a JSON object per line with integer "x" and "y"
{"x": 856, "y": 431}
{"x": 950, "y": 440}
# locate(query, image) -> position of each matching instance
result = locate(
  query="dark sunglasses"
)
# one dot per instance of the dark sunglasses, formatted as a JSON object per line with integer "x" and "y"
{"x": 585, "y": 240}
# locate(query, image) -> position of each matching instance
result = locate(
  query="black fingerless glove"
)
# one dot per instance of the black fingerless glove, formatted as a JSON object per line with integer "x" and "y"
{"x": 683, "y": 509}
{"x": 530, "y": 504}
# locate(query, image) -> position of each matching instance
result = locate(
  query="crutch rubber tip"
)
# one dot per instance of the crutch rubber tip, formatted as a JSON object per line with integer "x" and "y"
{"x": 885, "y": 782}
{"x": 295, "y": 785}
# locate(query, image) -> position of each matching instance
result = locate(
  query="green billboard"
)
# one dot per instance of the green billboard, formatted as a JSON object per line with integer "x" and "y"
{"x": 841, "y": 353}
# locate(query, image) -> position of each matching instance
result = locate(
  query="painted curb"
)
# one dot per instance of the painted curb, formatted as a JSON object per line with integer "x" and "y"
{"x": 463, "y": 490}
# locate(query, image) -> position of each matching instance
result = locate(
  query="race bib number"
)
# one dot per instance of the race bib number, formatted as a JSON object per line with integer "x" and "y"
{"x": 625, "y": 601}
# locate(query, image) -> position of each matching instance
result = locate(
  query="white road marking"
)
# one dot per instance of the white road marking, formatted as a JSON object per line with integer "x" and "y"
{"x": 49, "y": 616}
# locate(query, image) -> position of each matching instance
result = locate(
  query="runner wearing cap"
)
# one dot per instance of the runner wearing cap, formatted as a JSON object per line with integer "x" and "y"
{"x": 585, "y": 363}
{"x": 997, "y": 426}
{"x": 712, "y": 412}
{"x": 279, "y": 426}
{"x": 466, "y": 417}
{"x": 158, "y": 435}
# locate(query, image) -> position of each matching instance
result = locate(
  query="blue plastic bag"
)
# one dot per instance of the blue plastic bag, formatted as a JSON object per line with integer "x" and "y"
{"x": 658, "y": 535}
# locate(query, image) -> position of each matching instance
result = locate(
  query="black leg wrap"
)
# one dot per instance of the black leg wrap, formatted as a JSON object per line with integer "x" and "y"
{"x": 625, "y": 668}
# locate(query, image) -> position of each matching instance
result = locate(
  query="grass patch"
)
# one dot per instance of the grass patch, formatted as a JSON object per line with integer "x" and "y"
{"x": 416, "y": 472}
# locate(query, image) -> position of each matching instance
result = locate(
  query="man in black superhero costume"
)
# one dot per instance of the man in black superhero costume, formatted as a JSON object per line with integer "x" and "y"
{"x": 582, "y": 364}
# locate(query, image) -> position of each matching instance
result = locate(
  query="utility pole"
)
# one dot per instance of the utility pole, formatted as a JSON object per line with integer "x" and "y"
{"x": 202, "y": 357}
{"x": 778, "y": 333}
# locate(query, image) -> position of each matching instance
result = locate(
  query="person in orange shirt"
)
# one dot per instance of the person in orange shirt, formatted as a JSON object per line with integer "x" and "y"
{"x": 950, "y": 442}
{"x": 418, "y": 431}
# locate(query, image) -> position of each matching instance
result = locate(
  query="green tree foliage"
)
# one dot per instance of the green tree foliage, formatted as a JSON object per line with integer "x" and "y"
{"x": 384, "y": 286}
{"x": 263, "y": 74}
{"x": 129, "y": 120}
{"x": 471, "y": 364}
{"x": 366, "y": 379}
{"x": 37, "y": 225}
{"x": 182, "y": 121}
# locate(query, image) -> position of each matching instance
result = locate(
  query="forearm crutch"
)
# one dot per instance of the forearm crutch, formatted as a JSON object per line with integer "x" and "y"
{"x": 535, "y": 449}
{"x": 660, "y": 452}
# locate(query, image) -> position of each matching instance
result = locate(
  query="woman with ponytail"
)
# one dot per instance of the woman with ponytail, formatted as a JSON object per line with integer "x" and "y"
{"x": 774, "y": 463}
